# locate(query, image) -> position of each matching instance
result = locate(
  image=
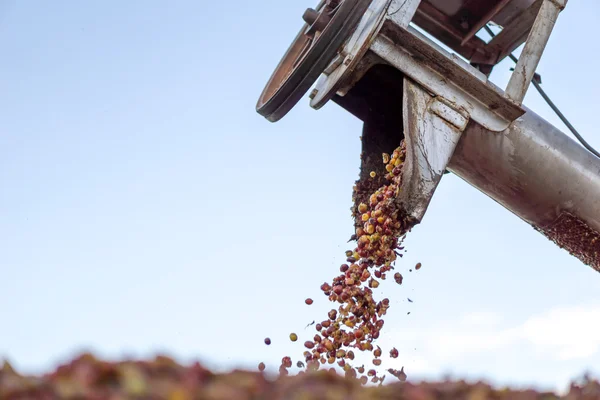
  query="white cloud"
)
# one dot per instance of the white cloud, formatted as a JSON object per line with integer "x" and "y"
{"x": 563, "y": 334}
{"x": 570, "y": 333}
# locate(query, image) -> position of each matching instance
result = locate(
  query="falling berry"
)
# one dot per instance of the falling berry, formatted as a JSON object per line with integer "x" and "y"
{"x": 293, "y": 337}
{"x": 267, "y": 341}
{"x": 286, "y": 362}
{"x": 377, "y": 352}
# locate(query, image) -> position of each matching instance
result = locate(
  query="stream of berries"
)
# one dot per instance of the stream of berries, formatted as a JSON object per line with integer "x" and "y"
{"x": 356, "y": 323}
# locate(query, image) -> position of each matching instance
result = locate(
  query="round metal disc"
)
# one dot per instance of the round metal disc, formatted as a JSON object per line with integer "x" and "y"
{"x": 307, "y": 58}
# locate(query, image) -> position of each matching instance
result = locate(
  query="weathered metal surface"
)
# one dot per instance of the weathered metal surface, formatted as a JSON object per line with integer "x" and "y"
{"x": 541, "y": 175}
{"x": 432, "y": 129}
{"x": 352, "y": 54}
{"x": 456, "y": 22}
{"x": 446, "y": 75}
{"x": 512, "y": 36}
{"x": 439, "y": 25}
{"x": 489, "y": 16}
{"x": 385, "y": 32}
{"x": 397, "y": 12}
{"x": 401, "y": 12}
{"x": 534, "y": 48}
{"x": 512, "y": 11}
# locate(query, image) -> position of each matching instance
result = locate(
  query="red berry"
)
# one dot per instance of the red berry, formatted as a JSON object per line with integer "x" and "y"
{"x": 286, "y": 362}
{"x": 377, "y": 352}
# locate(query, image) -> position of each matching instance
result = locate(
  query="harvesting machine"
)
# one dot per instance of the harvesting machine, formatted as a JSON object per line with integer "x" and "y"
{"x": 419, "y": 70}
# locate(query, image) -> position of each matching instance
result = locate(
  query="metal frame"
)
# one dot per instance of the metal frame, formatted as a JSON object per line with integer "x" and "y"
{"x": 534, "y": 48}
{"x": 404, "y": 86}
{"x": 386, "y": 32}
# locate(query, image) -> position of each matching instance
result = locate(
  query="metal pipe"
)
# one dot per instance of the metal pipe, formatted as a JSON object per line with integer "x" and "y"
{"x": 542, "y": 176}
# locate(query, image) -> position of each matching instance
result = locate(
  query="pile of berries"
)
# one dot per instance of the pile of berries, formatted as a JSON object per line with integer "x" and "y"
{"x": 162, "y": 378}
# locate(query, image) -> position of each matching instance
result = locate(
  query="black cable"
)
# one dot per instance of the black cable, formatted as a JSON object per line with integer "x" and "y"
{"x": 565, "y": 120}
{"x": 551, "y": 104}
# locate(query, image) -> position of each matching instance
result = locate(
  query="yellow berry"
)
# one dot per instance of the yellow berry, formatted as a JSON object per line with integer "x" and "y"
{"x": 362, "y": 208}
{"x": 373, "y": 174}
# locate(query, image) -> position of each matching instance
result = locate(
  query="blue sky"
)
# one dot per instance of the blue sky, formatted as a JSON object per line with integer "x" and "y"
{"x": 145, "y": 207}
